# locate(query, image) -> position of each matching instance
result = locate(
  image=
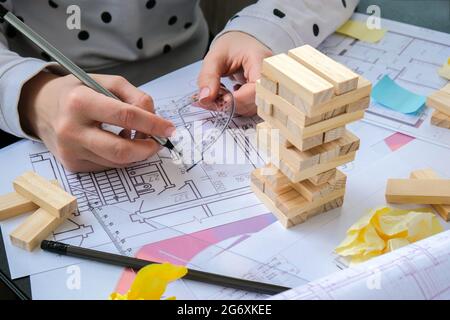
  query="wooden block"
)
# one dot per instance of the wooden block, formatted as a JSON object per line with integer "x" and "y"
{"x": 440, "y": 119}
{"x": 442, "y": 209}
{"x": 37, "y": 227}
{"x": 323, "y": 177}
{"x": 335, "y": 113}
{"x": 270, "y": 85}
{"x": 440, "y": 100}
{"x": 264, "y": 105}
{"x": 278, "y": 114}
{"x": 334, "y": 134}
{"x": 363, "y": 91}
{"x": 359, "y": 105}
{"x": 256, "y": 179}
{"x": 288, "y": 222}
{"x": 342, "y": 78}
{"x": 300, "y": 118}
{"x": 311, "y": 192}
{"x": 336, "y": 123}
{"x": 45, "y": 194}
{"x": 294, "y": 206}
{"x": 312, "y": 88}
{"x": 337, "y": 203}
{"x": 301, "y": 143}
{"x": 418, "y": 191}
{"x": 13, "y": 204}
{"x": 297, "y": 176}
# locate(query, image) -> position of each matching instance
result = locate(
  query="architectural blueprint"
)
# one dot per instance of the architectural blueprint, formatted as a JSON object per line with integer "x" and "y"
{"x": 415, "y": 272}
{"x": 411, "y": 56}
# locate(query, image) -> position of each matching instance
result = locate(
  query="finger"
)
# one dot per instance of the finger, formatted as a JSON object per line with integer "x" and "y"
{"x": 213, "y": 68}
{"x": 118, "y": 150}
{"x": 104, "y": 163}
{"x": 85, "y": 166}
{"x": 245, "y": 100}
{"x": 126, "y": 92}
{"x": 108, "y": 110}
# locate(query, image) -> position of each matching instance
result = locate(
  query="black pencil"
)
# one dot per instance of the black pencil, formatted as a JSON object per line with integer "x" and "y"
{"x": 137, "y": 264}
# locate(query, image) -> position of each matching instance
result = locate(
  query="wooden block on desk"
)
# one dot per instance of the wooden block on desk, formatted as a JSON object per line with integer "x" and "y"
{"x": 362, "y": 91}
{"x": 418, "y": 191}
{"x": 13, "y": 204}
{"x": 440, "y": 119}
{"x": 264, "y": 105}
{"x": 301, "y": 143}
{"x": 294, "y": 206}
{"x": 278, "y": 114}
{"x": 336, "y": 123}
{"x": 334, "y": 134}
{"x": 269, "y": 84}
{"x": 440, "y": 100}
{"x": 342, "y": 78}
{"x": 288, "y": 222}
{"x": 297, "y": 116}
{"x": 442, "y": 209}
{"x": 334, "y": 113}
{"x": 323, "y": 177}
{"x": 37, "y": 227}
{"x": 45, "y": 194}
{"x": 297, "y": 176}
{"x": 359, "y": 105}
{"x": 312, "y": 193}
{"x": 312, "y": 88}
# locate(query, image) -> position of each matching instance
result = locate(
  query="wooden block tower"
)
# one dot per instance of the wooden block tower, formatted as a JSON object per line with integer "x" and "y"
{"x": 440, "y": 102}
{"x": 306, "y": 99}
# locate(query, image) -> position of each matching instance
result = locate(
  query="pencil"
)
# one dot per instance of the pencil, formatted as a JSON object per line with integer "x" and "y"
{"x": 137, "y": 264}
{"x": 70, "y": 66}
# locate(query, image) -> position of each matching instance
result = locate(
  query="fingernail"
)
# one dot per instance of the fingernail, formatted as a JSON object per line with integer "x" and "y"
{"x": 170, "y": 132}
{"x": 204, "y": 93}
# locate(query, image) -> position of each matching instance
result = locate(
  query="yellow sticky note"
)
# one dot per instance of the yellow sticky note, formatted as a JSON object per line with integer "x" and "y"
{"x": 444, "y": 71}
{"x": 385, "y": 229}
{"x": 360, "y": 31}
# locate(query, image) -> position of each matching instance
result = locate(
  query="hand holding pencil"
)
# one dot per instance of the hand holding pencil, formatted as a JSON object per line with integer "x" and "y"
{"x": 68, "y": 113}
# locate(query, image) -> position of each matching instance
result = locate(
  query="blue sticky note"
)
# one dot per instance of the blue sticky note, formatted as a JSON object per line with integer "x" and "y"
{"x": 390, "y": 95}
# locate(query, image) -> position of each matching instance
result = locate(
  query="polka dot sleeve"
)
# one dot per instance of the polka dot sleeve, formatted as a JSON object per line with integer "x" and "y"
{"x": 285, "y": 24}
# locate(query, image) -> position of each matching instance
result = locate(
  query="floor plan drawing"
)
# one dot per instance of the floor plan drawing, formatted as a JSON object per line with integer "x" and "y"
{"x": 411, "y": 56}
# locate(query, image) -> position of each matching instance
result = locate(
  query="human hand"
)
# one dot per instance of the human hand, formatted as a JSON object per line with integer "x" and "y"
{"x": 238, "y": 56}
{"x": 67, "y": 117}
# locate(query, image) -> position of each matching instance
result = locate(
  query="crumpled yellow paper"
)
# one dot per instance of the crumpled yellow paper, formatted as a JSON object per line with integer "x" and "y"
{"x": 151, "y": 282}
{"x": 386, "y": 229}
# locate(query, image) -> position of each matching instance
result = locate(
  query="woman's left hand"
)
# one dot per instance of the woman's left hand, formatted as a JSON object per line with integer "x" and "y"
{"x": 238, "y": 56}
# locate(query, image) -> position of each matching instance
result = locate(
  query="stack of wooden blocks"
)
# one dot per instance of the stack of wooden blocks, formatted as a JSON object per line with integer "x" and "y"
{"x": 422, "y": 187}
{"x": 51, "y": 205}
{"x": 306, "y": 99}
{"x": 440, "y": 102}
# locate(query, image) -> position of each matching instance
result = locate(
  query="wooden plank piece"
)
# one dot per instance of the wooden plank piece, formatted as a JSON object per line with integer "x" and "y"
{"x": 440, "y": 119}
{"x": 305, "y": 83}
{"x": 13, "y": 204}
{"x": 440, "y": 100}
{"x": 342, "y": 78}
{"x": 37, "y": 227}
{"x": 418, "y": 191}
{"x": 323, "y": 177}
{"x": 362, "y": 91}
{"x": 442, "y": 209}
{"x": 312, "y": 192}
{"x": 45, "y": 194}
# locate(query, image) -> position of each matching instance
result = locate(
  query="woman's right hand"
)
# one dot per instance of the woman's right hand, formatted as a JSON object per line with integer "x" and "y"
{"x": 67, "y": 116}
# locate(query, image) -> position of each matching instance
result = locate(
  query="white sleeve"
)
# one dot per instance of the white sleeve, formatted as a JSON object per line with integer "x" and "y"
{"x": 15, "y": 71}
{"x": 285, "y": 24}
